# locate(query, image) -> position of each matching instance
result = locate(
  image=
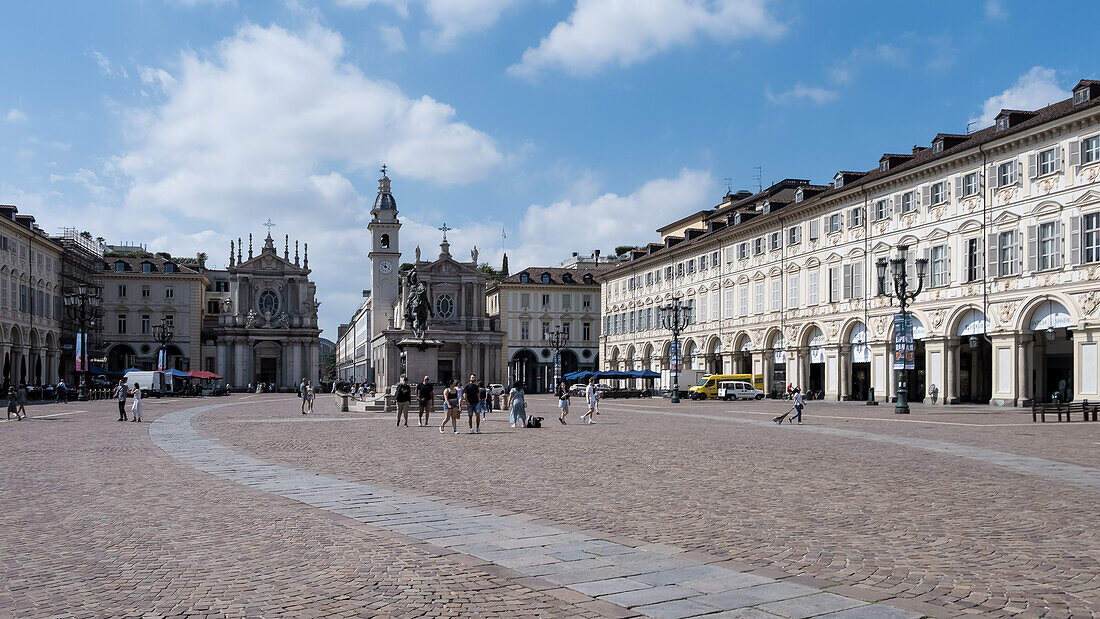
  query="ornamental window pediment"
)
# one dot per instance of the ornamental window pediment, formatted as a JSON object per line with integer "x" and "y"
{"x": 971, "y": 225}
{"x": 1006, "y": 219}
{"x": 1047, "y": 208}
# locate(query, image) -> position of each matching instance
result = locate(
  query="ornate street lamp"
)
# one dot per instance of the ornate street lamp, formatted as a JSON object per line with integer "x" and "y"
{"x": 81, "y": 305}
{"x": 676, "y": 316}
{"x": 556, "y": 340}
{"x": 904, "y": 297}
{"x": 162, "y": 333}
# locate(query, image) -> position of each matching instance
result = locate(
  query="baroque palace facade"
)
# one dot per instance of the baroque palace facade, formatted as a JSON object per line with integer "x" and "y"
{"x": 784, "y": 282}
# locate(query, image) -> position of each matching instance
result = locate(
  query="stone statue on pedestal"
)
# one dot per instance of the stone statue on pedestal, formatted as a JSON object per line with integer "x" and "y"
{"x": 418, "y": 306}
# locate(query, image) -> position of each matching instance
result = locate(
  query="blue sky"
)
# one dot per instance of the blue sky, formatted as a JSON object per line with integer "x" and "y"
{"x": 571, "y": 124}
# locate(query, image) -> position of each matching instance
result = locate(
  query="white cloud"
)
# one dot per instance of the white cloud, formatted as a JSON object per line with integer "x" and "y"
{"x": 391, "y": 38}
{"x": 15, "y": 116}
{"x": 1035, "y": 89}
{"x": 601, "y": 33}
{"x": 801, "y": 91}
{"x": 451, "y": 18}
{"x": 609, "y": 219}
{"x": 107, "y": 67}
{"x": 995, "y": 10}
{"x": 275, "y": 123}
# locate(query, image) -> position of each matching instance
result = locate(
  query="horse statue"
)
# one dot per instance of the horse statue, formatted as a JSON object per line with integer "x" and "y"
{"x": 417, "y": 305}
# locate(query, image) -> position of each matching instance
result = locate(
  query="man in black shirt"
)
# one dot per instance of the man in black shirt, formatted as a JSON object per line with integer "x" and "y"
{"x": 471, "y": 396}
{"x": 426, "y": 398}
{"x": 403, "y": 395}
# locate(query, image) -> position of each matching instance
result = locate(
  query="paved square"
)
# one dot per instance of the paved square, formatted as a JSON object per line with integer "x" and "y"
{"x": 249, "y": 509}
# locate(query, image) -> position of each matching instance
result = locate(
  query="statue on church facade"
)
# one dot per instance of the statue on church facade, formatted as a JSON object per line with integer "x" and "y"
{"x": 418, "y": 306}
{"x": 473, "y": 254}
{"x": 418, "y": 253}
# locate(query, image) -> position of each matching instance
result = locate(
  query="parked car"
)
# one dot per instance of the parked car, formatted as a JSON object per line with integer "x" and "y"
{"x": 578, "y": 390}
{"x": 738, "y": 390}
{"x": 495, "y": 389}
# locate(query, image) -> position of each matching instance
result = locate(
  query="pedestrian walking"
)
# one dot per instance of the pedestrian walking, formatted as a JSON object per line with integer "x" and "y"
{"x": 302, "y": 394}
{"x": 590, "y": 395}
{"x": 517, "y": 405}
{"x": 403, "y": 395}
{"x": 21, "y": 400}
{"x": 483, "y": 398}
{"x": 425, "y": 398}
{"x": 135, "y": 409}
{"x": 62, "y": 395}
{"x": 471, "y": 393}
{"x": 120, "y": 393}
{"x": 563, "y": 402}
{"x": 934, "y": 392}
{"x": 451, "y": 404}
{"x": 798, "y": 405}
{"x": 13, "y": 404}
{"x": 309, "y": 396}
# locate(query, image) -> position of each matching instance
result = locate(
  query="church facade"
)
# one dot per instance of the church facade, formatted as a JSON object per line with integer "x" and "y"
{"x": 261, "y": 318}
{"x": 471, "y": 341}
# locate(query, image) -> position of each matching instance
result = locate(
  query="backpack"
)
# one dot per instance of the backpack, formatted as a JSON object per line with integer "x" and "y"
{"x": 534, "y": 422}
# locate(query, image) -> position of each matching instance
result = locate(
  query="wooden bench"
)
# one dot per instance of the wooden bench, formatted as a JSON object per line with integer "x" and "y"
{"x": 1088, "y": 412}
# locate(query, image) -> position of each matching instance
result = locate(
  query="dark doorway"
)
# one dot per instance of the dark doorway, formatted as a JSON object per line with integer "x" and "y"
{"x": 525, "y": 367}
{"x": 817, "y": 381}
{"x": 569, "y": 362}
{"x": 779, "y": 379}
{"x": 268, "y": 370}
{"x": 976, "y": 372}
{"x": 445, "y": 371}
{"x": 861, "y": 380}
{"x": 1059, "y": 378}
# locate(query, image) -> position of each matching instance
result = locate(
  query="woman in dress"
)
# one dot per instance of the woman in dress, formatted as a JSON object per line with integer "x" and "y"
{"x": 451, "y": 409}
{"x": 563, "y": 402}
{"x": 517, "y": 404}
{"x": 135, "y": 411}
{"x": 308, "y": 396}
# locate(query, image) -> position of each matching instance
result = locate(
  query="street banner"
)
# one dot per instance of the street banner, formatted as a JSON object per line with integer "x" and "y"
{"x": 81, "y": 365}
{"x": 674, "y": 353}
{"x": 162, "y": 360}
{"x": 905, "y": 353}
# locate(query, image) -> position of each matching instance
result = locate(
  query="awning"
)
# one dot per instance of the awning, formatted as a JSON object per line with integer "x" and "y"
{"x": 177, "y": 373}
{"x": 204, "y": 374}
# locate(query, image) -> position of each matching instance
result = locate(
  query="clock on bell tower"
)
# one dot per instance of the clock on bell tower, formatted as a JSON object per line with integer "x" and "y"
{"x": 385, "y": 255}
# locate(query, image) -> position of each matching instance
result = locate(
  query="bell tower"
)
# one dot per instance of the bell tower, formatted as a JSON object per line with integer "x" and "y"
{"x": 385, "y": 256}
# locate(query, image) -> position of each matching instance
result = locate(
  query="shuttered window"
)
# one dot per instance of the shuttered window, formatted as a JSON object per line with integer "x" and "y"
{"x": 1090, "y": 237}
{"x": 941, "y": 269}
{"x": 1008, "y": 253}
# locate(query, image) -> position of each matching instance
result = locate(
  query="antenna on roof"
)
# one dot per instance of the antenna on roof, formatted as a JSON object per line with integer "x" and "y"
{"x": 975, "y": 121}
{"x": 759, "y": 178}
{"x": 729, "y": 185}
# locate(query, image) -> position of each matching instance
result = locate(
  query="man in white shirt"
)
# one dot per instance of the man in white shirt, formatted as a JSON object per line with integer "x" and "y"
{"x": 590, "y": 396}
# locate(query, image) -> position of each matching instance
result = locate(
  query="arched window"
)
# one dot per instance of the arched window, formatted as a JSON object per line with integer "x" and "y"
{"x": 384, "y": 241}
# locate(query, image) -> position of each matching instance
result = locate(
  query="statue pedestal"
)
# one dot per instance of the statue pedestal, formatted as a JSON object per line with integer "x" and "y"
{"x": 419, "y": 358}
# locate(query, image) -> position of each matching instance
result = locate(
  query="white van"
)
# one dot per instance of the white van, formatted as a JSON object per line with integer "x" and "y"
{"x": 152, "y": 382}
{"x": 738, "y": 390}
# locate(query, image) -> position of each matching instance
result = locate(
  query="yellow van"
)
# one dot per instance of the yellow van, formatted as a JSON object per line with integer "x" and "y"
{"x": 708, "y": 385}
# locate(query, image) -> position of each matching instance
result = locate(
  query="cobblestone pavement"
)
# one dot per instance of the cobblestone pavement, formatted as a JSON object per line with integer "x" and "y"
{"x": 939, "y": 533}
{"x": 103, "y": 523}
{"x": 98, "y": 522}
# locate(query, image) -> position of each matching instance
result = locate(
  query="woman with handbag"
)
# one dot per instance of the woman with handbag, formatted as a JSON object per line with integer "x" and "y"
{"x": 517, "y": 404}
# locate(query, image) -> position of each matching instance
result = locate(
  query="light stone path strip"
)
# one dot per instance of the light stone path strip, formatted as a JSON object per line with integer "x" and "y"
{"x": 649, "y": 580}
{"x": 1086, "y": 476}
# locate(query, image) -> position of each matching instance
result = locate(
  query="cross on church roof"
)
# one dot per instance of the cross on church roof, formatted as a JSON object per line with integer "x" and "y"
{"x": 383, "y": 169}
{"x": 444, "y": 228}
{"x": 269, "y": 225}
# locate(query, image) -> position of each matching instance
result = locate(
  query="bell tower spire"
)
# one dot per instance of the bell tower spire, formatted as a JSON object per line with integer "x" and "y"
{"x": 385, "y": 255}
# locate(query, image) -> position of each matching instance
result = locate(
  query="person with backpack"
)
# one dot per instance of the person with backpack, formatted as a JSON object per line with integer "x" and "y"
{"x": 403, "y": 395}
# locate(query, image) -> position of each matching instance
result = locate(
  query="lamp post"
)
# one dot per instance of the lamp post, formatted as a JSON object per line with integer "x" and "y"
{"x": 81, "y": 304}
{"x": 162, "y": 333}
{"x": 676, "y": 316}
{"x": 556, "y": 340}
{"x": 904, "y": 297}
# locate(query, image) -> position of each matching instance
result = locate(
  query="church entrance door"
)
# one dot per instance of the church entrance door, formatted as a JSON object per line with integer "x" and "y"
{"x": 445, "y": 371}
{"x": 266, "y": 360}
{"x": 269, "y": 370}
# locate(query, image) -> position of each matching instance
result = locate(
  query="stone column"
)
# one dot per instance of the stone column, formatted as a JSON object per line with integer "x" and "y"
{"x": 242, "y": 377}
{"x": 951, "y": 385}
{"x": 1023, "y": 371}
{"x": 844, "y": 372}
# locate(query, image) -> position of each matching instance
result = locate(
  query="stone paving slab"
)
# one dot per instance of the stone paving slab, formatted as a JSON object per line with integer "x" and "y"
{"x": 656, "y": 567}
